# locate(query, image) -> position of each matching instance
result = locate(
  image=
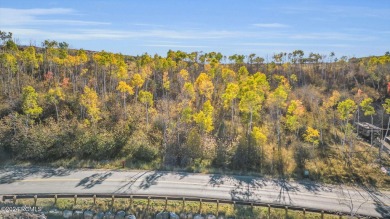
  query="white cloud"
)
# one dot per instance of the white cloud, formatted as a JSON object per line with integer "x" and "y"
{"x": 10, "y": 17}
{"x": 174, "y": 46}
{"x": 147, "y": 25}
{"x": 36, "y": 11}
{"x": 70, "y": 22}
{"x": 331, "y": 36}
{"x": 294, "y": 44}
{"x": 90, "y": 34}
{"x": 34, "y": 24}
{"x": 271, "y": 25}
{"x": 340, "y": 11}
{"x": 198, "y": 36}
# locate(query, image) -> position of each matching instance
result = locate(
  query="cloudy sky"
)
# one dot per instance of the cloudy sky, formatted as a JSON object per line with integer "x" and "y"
{"x": 264, "y": 27}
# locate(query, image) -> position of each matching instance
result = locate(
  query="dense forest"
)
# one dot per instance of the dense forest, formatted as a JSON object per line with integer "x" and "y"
{"x": 272, "y": 116}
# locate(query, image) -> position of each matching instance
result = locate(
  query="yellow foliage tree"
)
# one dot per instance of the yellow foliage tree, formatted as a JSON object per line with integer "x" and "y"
{"x": 54, "y": 96}
{"x": 295, "y": 111}
{"x": 333, "y": 100}
{"x": 260, "y": 135}
{"x": 204, "y": 85}
{"x": 30, "y": 102}
{"x": 125, "y": 89}
{"x": 205, "y": 117}
{"x": 312, "y": 136}
{"x": 146, "y": 98}
{"x": 137, "y": 81}
{"x": 184, "y": 74}
{"x": 345, "y": 110}
{"x": 89, "y": 99}
{"x": 277, "y": 99}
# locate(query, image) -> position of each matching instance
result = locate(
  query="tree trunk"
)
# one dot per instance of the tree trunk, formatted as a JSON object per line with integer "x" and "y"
{"x": 18, "y": 79}
{"x": 136, "y": 94}
{"x": 345, "y": 133}
{"x": 104, "y": 84}
{"x": 372, "y": 131}
{"x": 124, "y": 106}
{"x": 147, "y": 116}
{"x": 387, "y": 130}
{"x": 278, "y": 128}
{"x": 55, "y": 105}
{"x": 358, "y": 117}
{"x": 250, "y": 123}
{"x": 232, "y": 123}
{"x": 261, "y": 159}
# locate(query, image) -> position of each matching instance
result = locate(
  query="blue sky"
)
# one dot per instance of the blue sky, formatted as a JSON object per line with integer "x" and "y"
{"x": 349, "y": 27}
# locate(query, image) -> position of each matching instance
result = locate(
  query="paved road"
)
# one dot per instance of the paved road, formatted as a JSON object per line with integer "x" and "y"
{"x": 303, "y": 194}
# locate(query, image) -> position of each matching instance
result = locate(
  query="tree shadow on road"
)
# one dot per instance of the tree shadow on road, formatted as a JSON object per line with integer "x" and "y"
{"x": 382, "y": 208}
{"x": 384, "y": 211}
{"x": 56, "y": 172}
{"x": 284, "y": 192}
{"x": 313, "y": 186}
{"x": 243, "y": 186}
{"x": 361, "y": 196}
{"x": 93, "y": 180}
{"x": 129, "y": 182}
{"x": 153, "y": 178}
{"x": 10, "y": 175}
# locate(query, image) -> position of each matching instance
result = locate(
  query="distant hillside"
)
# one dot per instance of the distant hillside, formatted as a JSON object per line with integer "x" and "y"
{"x": 196, "y": 111}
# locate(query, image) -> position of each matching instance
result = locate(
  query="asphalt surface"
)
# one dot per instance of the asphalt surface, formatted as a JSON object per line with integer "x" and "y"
{"x": 305, "y": 194}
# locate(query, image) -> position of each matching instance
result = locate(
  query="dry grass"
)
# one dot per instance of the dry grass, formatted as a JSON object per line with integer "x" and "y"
{"x": 144, "y": 207}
